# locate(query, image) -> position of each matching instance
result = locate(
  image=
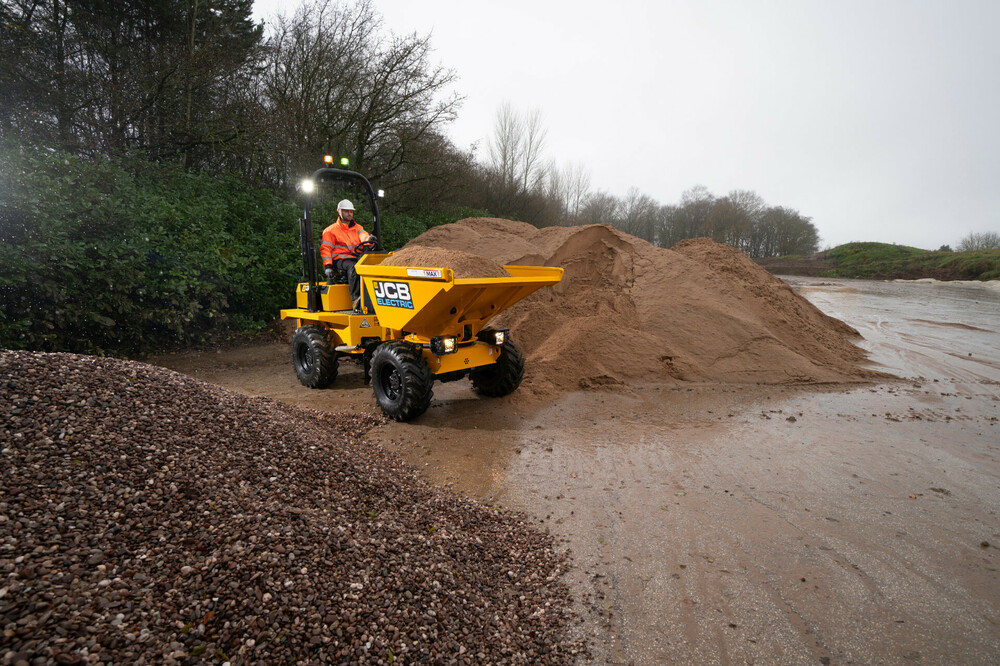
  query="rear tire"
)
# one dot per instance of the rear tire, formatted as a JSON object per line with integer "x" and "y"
{"x": 502, "y": 377}
{"x": 314, "y": 362}
{"x": 401, "y": 380}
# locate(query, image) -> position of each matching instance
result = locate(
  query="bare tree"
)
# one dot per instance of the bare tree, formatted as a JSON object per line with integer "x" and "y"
{"x": 985, "y": 240}
{"x": 688, "y": 219}
{"x": 516, "y": 171}
{"x": 733, "y": 219}
{"x": 555, "y": 188}
{"x": 568, "y": 187}
{"x": 402, "y": 102}
{"x": 532, "y": 143}
{"x": 637, "y": 214}
{"x": 577, "y": 188}
{"x": 505, "y": 145}
{"x": 336, "y": 83}
{"x": 786, "y": 232}
{"x": 601, "y": 208}
{"x": 314, "y": 65}
{"x": 515, "y": 149}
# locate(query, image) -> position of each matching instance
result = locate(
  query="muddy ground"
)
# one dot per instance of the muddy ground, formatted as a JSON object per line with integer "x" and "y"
{"x": 738, "y": 524}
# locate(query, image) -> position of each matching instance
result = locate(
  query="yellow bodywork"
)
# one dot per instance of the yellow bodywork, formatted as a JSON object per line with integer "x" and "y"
{"x": 418, "y": 303}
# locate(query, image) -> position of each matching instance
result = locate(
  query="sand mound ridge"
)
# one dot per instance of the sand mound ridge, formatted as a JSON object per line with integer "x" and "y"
{"x": 628, "y": 311}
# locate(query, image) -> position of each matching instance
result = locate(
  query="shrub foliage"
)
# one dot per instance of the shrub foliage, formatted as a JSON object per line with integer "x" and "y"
{"x": 131, "y": 256}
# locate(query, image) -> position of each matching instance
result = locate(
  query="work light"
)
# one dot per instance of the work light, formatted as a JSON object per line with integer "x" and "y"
{"x": 444, "y": 345}
{"x": 492, "y": 337}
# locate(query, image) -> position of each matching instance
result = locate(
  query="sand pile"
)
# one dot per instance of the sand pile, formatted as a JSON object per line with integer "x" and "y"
{"x": 147, "y": 517}
{"x": 627, "y": 310}
{"x": 465, "y": 264}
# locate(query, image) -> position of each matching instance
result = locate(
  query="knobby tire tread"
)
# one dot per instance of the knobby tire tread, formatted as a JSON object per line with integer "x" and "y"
{"x": 502, "y": 377}
{"x": 417, "y": 380}
{"x": 324, "y": 371}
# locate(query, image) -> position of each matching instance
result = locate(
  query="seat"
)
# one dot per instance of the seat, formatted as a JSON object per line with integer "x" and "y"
{"x": 339, "y": 277}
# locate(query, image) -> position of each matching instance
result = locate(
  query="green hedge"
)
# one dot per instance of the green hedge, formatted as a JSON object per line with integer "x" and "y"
{"x": 130, "y": 257}
{"x": 103, "y": 256}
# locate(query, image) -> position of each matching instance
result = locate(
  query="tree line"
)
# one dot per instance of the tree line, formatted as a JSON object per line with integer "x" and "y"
{"x": 200, "y": 84}
{"x": 520, "y": 182}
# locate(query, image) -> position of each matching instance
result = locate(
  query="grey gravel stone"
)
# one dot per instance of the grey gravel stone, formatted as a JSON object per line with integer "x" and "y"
{"x": 150, "y": 518}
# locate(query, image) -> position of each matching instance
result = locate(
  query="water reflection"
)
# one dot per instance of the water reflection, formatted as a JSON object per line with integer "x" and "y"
{"x": 933, "y": 330}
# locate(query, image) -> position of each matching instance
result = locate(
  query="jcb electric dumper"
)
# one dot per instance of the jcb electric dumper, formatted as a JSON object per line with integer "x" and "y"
{"x": 415, "y": 325}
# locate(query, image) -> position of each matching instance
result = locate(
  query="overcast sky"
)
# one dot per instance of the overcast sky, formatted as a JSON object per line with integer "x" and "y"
{"x": 877, "y": 119}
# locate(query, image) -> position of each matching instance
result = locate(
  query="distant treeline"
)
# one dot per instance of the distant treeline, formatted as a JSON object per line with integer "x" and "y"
{"x": 202, "y": 85}
{"x": 150, "y": 150}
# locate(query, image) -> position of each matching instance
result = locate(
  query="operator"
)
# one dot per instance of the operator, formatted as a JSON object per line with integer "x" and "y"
{"x": 340, "y": 248}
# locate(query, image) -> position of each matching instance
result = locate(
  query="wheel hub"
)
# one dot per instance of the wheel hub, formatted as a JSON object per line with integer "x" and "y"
{"x": 393, "y": 383}
{"x": 306, "y": 358}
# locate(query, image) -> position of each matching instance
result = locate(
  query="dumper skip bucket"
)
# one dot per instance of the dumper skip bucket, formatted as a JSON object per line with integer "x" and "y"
{"x": 429, "y": 301}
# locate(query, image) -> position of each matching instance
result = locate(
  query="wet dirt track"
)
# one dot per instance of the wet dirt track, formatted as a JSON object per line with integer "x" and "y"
{"x": 746, "y": 524}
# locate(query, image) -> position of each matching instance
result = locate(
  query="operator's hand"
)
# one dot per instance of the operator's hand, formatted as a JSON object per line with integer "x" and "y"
{"x": 329, "y": 274}
{"x": 366, "y": 246}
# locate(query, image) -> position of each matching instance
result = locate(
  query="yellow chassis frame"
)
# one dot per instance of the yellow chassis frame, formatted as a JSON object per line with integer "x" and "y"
{"x": 349, "y": 329}
{"x": 416, "y": 304}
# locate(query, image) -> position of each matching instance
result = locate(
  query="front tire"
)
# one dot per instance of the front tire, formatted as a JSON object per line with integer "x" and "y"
{"x": 502, "y": 377}
{"x": 401, "y": 380}
{"x": 314, "y": 362}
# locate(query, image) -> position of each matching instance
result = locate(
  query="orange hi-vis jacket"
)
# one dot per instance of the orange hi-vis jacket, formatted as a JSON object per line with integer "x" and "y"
{"x": 340, "y": 241}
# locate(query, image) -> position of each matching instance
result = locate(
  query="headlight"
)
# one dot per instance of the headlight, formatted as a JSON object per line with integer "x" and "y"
{"x": 444, "y": 345}
{"x": 492, "y": 337}
{"x": 307, "y": 186}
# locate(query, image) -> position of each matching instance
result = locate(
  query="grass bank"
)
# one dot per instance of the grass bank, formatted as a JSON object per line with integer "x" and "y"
{"x": 885, "y": 261}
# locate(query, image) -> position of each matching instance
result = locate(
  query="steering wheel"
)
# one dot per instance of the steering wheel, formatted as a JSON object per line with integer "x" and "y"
{"x": 366, "y": 246}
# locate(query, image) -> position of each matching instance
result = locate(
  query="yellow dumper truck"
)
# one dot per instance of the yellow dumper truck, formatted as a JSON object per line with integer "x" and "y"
{"x": 415, "y": 324}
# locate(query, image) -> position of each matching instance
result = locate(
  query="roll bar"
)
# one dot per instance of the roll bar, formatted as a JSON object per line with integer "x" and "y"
{"x": 309, "y": 269}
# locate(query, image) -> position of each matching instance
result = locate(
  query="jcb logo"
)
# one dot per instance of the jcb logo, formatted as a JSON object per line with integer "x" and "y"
{"x": 392, "y": 294}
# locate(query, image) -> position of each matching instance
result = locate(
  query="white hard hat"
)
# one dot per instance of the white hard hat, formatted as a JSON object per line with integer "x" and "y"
{"x": 345, "y": 205}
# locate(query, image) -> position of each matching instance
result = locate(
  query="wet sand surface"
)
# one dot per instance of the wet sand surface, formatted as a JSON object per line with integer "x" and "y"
{"x": 738, "y": 524}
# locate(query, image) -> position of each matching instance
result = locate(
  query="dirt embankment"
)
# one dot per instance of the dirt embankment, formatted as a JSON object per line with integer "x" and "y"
{"x": 629, "y": 311}
{"x": 808, "y": 266}
{"x": 817, "y": 266}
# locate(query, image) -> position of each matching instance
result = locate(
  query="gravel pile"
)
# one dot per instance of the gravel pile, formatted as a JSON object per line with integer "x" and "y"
{"x": 147, "y": 517}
